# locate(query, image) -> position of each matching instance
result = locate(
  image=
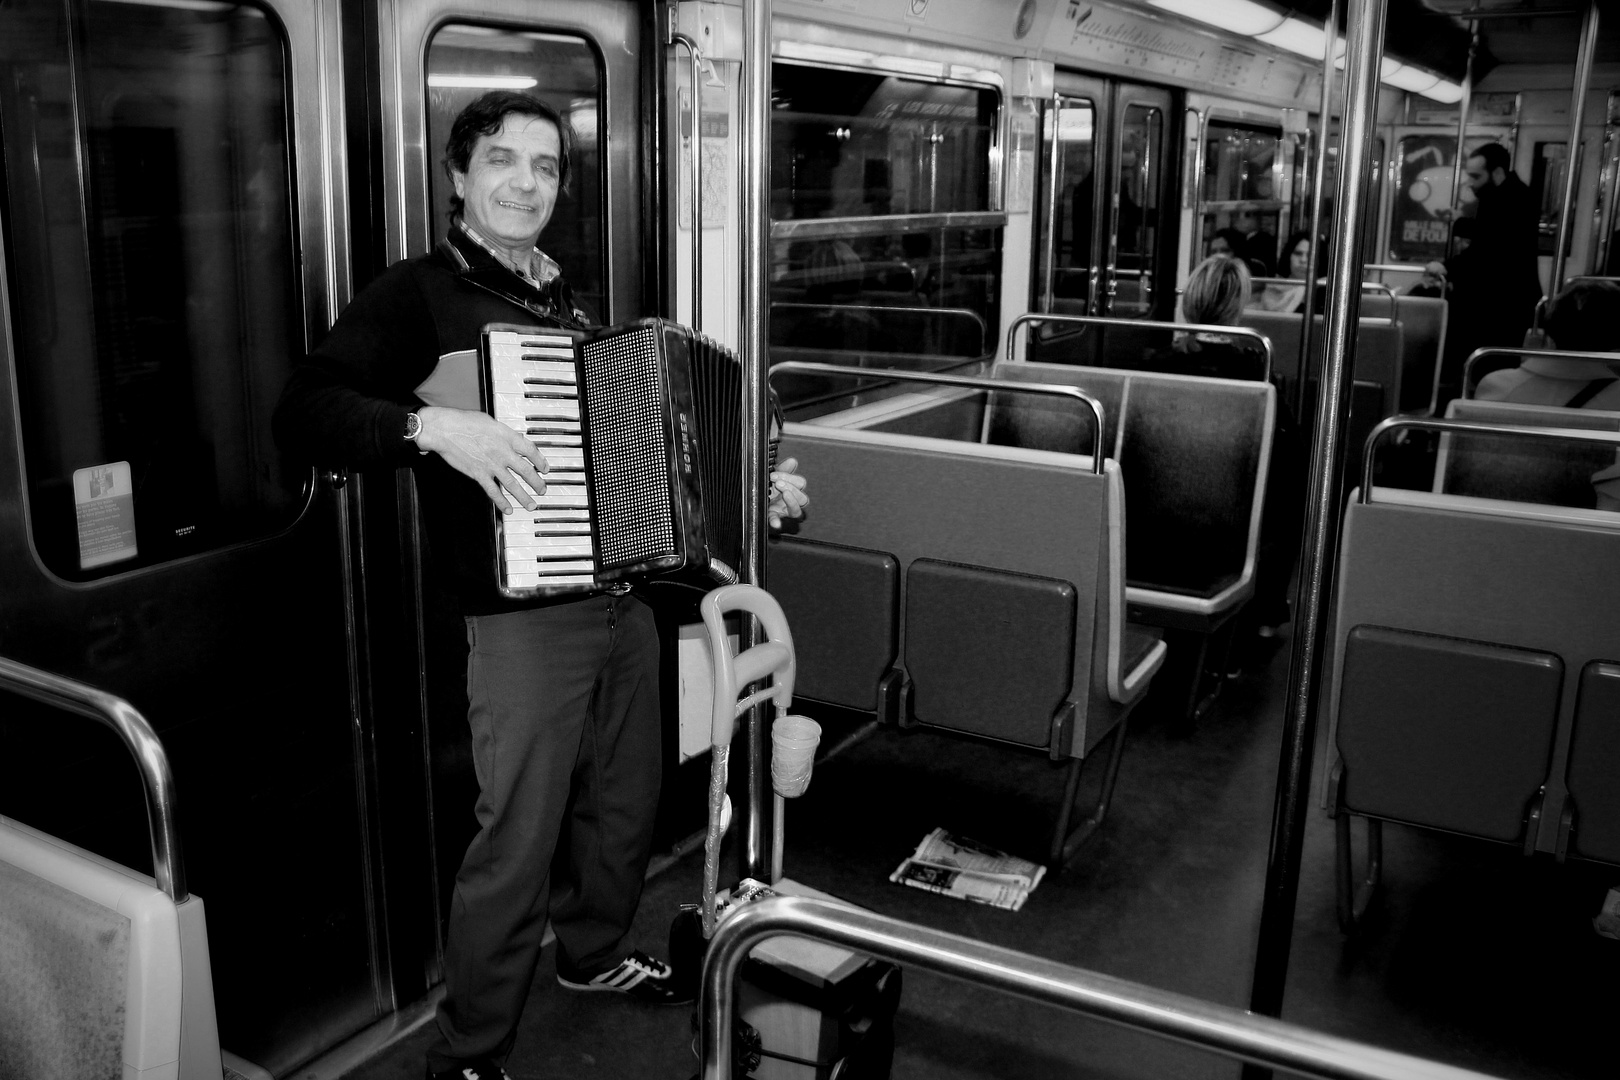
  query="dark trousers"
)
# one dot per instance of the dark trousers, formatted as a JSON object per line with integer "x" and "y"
{"x": 564, "y": 711}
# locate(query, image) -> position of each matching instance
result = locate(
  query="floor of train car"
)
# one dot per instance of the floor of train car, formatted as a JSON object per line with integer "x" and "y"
{"x": 1473, "y": 955}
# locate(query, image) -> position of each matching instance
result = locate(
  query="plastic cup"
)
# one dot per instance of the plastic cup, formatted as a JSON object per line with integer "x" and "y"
{"x": 793, "y": 753}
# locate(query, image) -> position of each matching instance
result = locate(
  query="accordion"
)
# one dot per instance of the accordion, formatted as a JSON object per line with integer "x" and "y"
{"x": 641, "y": 426}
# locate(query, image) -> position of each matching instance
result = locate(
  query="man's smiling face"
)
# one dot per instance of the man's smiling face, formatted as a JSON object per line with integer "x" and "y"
{"x": 510, "y": 186}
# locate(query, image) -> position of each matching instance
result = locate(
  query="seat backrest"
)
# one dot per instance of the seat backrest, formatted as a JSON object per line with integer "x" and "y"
{"x": 1423, "y": 343}
{"x": 1459, "y": 625}
{"x": 1523, "y": 470}
{"x": 1594, "y": 762}
{"x": 1039, "y": 422}
{"x": 1379, "y": 350}
{"x": 1195, "y": 453}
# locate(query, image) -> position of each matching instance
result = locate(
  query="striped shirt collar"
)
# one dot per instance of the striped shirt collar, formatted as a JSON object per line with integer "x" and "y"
{"x": 541, "y": 270}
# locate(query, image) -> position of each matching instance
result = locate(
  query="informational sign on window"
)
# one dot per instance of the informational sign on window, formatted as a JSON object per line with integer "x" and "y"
{"x": 104, "y": 499}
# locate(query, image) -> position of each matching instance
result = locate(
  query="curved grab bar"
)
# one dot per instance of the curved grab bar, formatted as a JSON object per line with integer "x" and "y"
{"x": 1473, "y": 427}
{"x": 1394, "y": 304}
{"x": 141, "y": 741}
{"x": 975, "y": 382}
{"x": 1180, "y": 1017}
{"x": 1152, "y": 324}
{"x": 1493, "y": 351}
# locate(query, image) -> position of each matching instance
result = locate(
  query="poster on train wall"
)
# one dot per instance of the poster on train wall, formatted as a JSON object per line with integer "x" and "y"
{"x": 1418, "y": 232}
{"x": 104, "y": 500}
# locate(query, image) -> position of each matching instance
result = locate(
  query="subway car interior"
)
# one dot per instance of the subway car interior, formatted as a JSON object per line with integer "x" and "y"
{"x": 1191, "y": 627}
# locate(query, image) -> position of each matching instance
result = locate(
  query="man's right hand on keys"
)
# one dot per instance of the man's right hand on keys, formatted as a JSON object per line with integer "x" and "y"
{"x": 507, "y": 466}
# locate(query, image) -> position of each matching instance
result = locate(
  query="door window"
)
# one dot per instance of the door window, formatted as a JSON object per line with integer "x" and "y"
{"x": 152, "y": 262}
{"x": 1071, "y": 211}
{"x": 1140, "y": 176}
{"x": 465, "y": 62}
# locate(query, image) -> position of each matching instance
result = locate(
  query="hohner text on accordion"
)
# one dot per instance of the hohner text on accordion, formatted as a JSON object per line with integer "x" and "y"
{"x": 534, "y": 384}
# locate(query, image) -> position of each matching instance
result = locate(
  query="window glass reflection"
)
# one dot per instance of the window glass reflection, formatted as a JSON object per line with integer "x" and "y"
{"x": 1243, "y": 211}
{"x": 154, "y": 295}
{"x": 870, "y": 151}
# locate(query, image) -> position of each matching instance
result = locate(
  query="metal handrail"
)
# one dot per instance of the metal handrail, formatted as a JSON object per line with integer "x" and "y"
{"x": 1152, "y": 324}
{"x": 1178, "y": 1017}
{"x": 695, "y": 54}
{"x": 1366, "y": 286}
{"x": 1473, "y": 427}
{"x": 974, "y": 382}
{"x": 141, "y": 741}
{"x": 1493, "y": 351}
{"x": 954, "y": 312}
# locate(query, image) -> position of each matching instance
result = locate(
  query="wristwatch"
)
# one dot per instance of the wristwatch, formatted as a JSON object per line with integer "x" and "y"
{"x": 413, "y": 425}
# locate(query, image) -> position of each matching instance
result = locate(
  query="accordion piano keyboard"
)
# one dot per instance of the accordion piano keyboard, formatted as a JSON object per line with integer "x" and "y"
{"x": 536, "y": 394}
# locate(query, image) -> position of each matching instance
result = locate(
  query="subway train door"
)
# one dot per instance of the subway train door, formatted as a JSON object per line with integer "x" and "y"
{"x": 1105, "y": 177}
{"x": 437, "y": 56}
{"x": 171, "y": 208}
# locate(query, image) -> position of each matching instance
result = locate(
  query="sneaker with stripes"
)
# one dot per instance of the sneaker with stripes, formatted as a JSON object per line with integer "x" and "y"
{"x": 642, "y": 977}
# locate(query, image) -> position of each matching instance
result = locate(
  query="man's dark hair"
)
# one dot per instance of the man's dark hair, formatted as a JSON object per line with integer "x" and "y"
{"x": 1586, "y": 317}
{"x": 484, "y": 116}
{"x": 1495, "y": 156}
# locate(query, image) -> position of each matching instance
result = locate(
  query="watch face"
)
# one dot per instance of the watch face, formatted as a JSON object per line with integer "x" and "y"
{"x": 413, "y": 425}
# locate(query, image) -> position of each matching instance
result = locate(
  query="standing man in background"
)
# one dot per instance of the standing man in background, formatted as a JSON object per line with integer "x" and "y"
{"x": 1496, "y": 302}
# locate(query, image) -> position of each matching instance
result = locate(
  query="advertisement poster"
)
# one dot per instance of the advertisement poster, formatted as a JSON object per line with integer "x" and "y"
{"x": 1418, "y": 232}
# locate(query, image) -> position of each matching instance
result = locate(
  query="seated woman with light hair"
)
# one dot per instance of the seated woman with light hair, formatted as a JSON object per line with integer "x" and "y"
{"x": 1215, "y": 294}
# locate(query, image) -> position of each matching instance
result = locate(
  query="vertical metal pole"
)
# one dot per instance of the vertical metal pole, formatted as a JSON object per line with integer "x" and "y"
{"x": 1577, "y": 118}
{"x": 1366, "y": 41}
{"x": 1297, "y": 401}
{"x": 755, "y": 106}
{"x": 1463, "y": 106}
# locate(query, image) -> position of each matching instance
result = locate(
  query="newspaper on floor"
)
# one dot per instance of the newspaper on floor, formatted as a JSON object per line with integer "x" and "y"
{"x": 968, "y": 870}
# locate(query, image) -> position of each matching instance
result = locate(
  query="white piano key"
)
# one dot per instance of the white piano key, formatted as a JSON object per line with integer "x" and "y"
{"x": 531, "y": 581}
{"x": 520, "y": 407}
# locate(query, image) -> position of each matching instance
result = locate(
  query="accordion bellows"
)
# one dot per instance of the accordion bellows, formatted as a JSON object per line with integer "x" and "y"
{"x": 641, "y": 428}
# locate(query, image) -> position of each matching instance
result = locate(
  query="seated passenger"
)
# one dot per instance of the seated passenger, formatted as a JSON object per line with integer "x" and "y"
{"x": 1226, "y": 242}
{"x": 1585, "y": 317}
{"x": 1296, "y": 266}
{"x": 1215, "y": 294}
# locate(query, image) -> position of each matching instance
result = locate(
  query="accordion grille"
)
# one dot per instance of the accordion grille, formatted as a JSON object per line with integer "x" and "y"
{"x": 624, "y": 400}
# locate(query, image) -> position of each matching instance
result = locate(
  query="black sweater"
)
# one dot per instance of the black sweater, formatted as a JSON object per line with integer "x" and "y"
{"x": 345, "y": 404}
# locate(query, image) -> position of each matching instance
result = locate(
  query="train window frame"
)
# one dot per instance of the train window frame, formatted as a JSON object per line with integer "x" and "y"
{"x": 592, "y": 289}
{"x": 103, "y": 491}
{"x": 978, "y": 232}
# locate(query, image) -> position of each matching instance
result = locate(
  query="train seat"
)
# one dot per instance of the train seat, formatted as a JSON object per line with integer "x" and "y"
{"x": 1036, "y": 536}
{"x": 1380, "y": 353}
{"x": 1523, "y": 470}
{"x": 1460, "y": 623}
{"x": 1423, "y": 343}
{"x": 1195, "y": 453}
{"x": 844, "y": 606}
{"x": 101, "y": 973}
